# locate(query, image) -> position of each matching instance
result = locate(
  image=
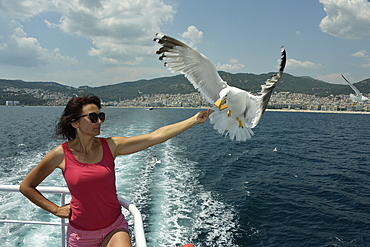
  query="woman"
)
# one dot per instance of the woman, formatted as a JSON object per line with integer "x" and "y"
{"x": 87, "y": 163}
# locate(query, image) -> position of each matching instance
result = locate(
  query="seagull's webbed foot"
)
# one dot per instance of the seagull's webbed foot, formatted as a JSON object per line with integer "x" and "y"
{"x": 240, "y": 123}
{"x": 228, "y": 113}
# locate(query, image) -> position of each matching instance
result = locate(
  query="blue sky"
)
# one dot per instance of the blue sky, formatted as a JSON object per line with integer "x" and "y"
{"x": 103, "y": 42}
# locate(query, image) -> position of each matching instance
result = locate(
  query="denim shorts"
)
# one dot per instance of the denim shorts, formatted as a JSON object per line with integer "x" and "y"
{"x": 77, "y": 237}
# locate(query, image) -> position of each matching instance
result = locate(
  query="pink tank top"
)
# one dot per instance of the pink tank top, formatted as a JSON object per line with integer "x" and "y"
{"x": 94, "y": 200}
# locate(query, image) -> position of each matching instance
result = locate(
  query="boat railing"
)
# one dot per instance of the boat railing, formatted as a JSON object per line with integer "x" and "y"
{"x": 140, "y": 240}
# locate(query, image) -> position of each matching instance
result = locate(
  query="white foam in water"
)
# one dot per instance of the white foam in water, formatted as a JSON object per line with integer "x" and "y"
{"x": 180, "y": 208}
{"x": 27, "y": 235}
{"x": 14, "y": 206}
{"x": 175, "y": 207}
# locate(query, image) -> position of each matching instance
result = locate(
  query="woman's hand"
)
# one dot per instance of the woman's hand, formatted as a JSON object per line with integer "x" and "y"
{"x": 202, "y": 116}
{"x": 63, "y": 211}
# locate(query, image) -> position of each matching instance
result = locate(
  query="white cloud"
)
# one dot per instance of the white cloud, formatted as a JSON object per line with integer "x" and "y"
{"x": 346, "y": 19}
{"x": 23, "y": 9}
{"x": 119, "y": 30}
{"x": 362, "y": 53}
{"x": 50, "y": 25}
{"x": 232, "y": 66}
{"x": 20, "y": 50}
{"x": 234, "y": 60}
{"x": 193, "y": 34}
{"x": 364, "y": 65}
{"x": 3, "y": 46}
{"x": 63, "y": 59}
{"x": 294, "y": 64}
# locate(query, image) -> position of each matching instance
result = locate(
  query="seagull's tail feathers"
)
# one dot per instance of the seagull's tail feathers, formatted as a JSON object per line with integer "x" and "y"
{"x": 228, "y": 126}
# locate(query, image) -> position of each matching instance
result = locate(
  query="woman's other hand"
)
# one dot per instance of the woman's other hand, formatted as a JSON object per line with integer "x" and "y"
{"x": 63, "y": 211}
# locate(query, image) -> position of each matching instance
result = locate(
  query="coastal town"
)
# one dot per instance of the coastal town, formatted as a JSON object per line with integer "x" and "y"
{"x": 279, "y": 100}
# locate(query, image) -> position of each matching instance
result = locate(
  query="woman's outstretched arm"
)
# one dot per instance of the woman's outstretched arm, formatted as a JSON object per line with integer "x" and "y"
{"x": 128, "y": 145}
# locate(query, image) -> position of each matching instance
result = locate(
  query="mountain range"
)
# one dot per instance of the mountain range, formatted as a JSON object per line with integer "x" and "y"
{"x": 177, "y": 84}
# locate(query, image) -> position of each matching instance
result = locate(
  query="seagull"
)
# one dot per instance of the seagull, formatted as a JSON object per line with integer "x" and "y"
{"x": 358, "y": 97}
{"x": 154, "y": 161}
{"x": 235, "y": 112}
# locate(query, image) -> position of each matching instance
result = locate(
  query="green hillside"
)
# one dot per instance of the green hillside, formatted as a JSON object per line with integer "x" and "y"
{"x": 249, "y": 82}
{"x": 35, "y": 93}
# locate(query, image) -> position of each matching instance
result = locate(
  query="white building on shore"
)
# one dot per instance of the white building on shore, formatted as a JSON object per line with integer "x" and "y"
{"x": 11, "y": 103}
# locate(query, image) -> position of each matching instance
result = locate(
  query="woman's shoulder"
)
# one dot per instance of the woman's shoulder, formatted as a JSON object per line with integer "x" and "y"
{"x": 111, "y": 141}
{"x": 116, "y": 142}
{"x": 56, "y": 152}
{"x": 54, "y": 157}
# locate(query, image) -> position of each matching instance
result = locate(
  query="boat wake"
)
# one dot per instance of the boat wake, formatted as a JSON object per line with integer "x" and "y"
{"x": 176, "y": 208}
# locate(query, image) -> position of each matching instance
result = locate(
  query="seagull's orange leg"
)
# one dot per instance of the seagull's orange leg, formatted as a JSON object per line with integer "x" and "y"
{"x": 240, "y": 123}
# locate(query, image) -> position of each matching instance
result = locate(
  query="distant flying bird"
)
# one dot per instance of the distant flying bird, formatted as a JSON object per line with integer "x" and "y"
{"x": 237, "y": 111}
{"x": 154, "y": 161}
{"x": 358, "y": 97}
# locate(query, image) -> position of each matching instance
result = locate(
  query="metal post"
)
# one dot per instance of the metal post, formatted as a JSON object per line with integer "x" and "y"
{"x": 63, "y": 201}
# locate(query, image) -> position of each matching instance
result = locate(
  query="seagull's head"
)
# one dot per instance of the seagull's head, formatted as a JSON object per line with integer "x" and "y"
{"x": 221, "y": 102}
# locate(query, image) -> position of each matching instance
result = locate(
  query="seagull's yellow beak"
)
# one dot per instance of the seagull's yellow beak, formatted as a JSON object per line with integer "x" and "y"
{"x": 221, "y": 105}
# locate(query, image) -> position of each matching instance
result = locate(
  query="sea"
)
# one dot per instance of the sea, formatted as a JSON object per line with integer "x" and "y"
{"x": 302, "y": 180}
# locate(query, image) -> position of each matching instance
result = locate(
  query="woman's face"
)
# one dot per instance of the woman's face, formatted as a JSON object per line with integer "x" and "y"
{"x": 84, "y": 124}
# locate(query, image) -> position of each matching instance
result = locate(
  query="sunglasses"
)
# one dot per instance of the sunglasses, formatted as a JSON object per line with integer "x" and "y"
{"x": 94, "y": 116}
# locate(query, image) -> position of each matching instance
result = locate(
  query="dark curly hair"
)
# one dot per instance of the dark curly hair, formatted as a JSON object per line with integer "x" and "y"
{"x": 73, "y": 109}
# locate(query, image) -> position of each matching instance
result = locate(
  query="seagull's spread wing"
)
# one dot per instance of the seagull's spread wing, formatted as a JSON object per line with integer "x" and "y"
{"x": 198, "y": 69}
{"x": 358, "y": 93}
{"x": 244, "y": 110}
{"x": 267, "y": 88}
